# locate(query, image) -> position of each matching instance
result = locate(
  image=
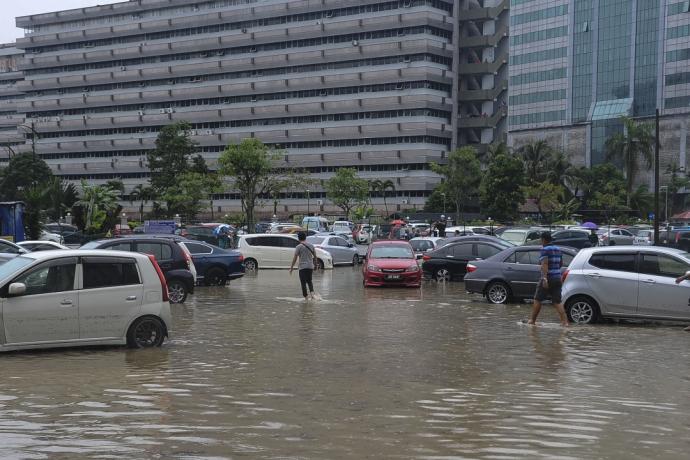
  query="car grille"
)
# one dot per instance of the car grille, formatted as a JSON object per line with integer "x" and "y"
{"x": 393, "y": 270}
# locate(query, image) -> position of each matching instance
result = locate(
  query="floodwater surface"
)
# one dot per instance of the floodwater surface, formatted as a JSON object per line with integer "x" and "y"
{"x": 254, "y": 372}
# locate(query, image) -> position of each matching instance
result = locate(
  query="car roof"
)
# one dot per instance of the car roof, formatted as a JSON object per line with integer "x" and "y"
{"x": 389, "y": 243}
{"x": 269, "y": 235}
{"x": 628, "y": 248}
{"x": 46, "y": 255}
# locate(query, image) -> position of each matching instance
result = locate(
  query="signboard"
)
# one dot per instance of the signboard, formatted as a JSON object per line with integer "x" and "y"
{"x": 164, "y": 227}
{"x": 651, "y": 216}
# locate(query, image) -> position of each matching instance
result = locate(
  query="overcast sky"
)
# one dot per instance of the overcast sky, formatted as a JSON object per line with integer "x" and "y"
{"x": 13, "y": 8}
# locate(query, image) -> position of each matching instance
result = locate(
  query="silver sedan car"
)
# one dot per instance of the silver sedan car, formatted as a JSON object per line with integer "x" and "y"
{"x": 342, "y": 251}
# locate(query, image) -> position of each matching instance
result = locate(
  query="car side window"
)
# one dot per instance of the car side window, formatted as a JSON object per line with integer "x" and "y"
{"x": 567, "y": 259}
{"x": 289, "y": 242}
{"x": 624, "y": 262}
{"x": 7, "y": 248}
{"x": 53, "y": 276}
{"x": 109, "y": 273}
{"x": 463, "y": 251}
{"x": 160, "y": 251}
{"x": 196, "y": 248}
{"x": 662, "y": 265}
{"x": 120, "y": 247}
{"x": 485, "y": 251}
{"x": 522, "y": 257}
{"x": 511, "y": 259}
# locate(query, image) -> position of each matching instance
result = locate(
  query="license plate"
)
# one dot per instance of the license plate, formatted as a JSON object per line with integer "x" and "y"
{"x": 393, "y": 277}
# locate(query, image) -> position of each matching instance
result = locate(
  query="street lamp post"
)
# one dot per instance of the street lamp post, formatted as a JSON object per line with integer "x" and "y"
{"x": 308, "y": 202}
{"x": 33, "y": 149}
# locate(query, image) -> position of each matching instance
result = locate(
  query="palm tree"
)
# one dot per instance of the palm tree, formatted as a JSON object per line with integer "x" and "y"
{"x": 142, "y": 194}
{"x": 535, "y": 155}
{"x": 634, "y": 142}
{"x": 97, "y": 201}
{"x": 382, "y": 186}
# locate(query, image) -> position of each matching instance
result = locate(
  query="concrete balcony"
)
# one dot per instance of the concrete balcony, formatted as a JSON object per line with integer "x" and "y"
{"x": 483, "y": 94}
{"x": 484, "y": 13}
{"x": 481, "y": 121}
{"x": 482, "y": 67}
{"x": 99, "y": 78}
{"x": 479, "y": 41}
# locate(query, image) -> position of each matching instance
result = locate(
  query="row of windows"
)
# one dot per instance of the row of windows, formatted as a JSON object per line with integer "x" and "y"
{"x": 260, "y": 122}
{"x": 534, "y": 77}
{"x": 358, "y": 142}
{"x": 297, "y": 195}
{"x": 538, "y": 35}
{"x": 253, "y": 98}
{"x": 539, "y": 56}
{"x": 542, "y": 96}
{"x": 678, "y": 55}
{"x": 519, "y": 2}
{"x": 242, "y": 25}
{"x": 248, "y": 49}
{"x": 539, "y": 15}
{"x": 254, "y": 73}
{"x": 678, "y": 8}
{"x": 678, "y": 31}
{"x": 677, "y": 102}
{"x": 678, "y": 78}
{"x": 538, "y": 117}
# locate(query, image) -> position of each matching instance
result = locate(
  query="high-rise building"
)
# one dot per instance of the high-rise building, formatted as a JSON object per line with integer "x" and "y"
{"x": 361, "y": 83}
{"x": 577, "y": 66}
{"x": 10, "y": 94}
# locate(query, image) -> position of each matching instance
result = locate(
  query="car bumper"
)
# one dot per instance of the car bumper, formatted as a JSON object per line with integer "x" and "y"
{"x": 475, "y": 286}
{"x": 383, "y": 279}
{"x": 234, "y": 276}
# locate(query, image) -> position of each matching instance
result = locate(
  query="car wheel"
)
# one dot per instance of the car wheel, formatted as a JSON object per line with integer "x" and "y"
{"x": 582, "y": 310}
{"x": 497, "y": 292}
{"x": 320, "y": 265}
{"x": 442, "y": 274}
{"x": 215, "y": 277}
{"x": 355, "y": 260}
{"x": 177, "y": 291}
{"x": 146, "y": 332}
{"x": 251, "y": 265}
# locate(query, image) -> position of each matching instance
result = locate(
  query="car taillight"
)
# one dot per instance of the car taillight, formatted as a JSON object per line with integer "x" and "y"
{"x": 471, "y": 268}
{"x": 565, "y": 275}
{"x": 677, "y": 237}
{"x": 426, "y": 257}
{"x": 241, "y": 258}
{"x": 188, "y": 259}
{"x": 161, "y": 277}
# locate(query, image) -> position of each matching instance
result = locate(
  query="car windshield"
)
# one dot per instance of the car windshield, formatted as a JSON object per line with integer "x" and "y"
{"x": 513, "y": 236}
{"x": 13, "y": 266}
{"x": 421, "y": 245}
{"x": 91, "y": 245}
{"x": 392, "y": 252}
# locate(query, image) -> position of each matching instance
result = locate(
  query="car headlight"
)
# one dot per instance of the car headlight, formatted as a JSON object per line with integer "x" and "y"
{"x": 373, "y": 268}
{"x": 413, "y": 268}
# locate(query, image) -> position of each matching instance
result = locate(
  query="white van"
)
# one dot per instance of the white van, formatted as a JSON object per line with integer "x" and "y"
{"x": 274, "y": 251}
{"x": 316, "y": 223}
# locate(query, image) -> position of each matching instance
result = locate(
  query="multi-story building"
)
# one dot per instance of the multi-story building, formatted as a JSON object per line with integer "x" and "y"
{"x": 577, "y": 66}
{"x": 11, "y": 122}
{"x": 482, "y": 72}
{"x": 332, "y": 83}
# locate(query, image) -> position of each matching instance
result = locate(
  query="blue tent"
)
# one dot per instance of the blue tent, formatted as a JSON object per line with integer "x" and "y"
{"x": 12, "y": 220}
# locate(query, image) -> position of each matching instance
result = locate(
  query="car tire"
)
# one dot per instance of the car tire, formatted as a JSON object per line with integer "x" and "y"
{"x": 146, "y": 332}
{"x": 251, "y": 265}
{"x": 355, "y": 260}
{"x": 320, "y": 265}
{"x": 177, "y": 291}
{"x": 497, "y": 292}
{"x": 442, "y": 274}
{"x": 215, "y": 276}
{"x": 583, "y": 310}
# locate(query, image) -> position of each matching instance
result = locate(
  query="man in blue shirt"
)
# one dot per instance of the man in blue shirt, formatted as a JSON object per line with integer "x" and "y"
{"x": 550, "y": 283}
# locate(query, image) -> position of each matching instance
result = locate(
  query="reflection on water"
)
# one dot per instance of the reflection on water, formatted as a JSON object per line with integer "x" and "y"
{"x": 255, "y": 371}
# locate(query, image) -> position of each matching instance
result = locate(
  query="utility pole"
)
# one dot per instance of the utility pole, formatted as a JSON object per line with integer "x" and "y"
{"x": 656, "y": 179}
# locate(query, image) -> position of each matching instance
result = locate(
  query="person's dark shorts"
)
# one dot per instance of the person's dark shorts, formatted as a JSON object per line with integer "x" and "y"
{"x": 552, "y": 292}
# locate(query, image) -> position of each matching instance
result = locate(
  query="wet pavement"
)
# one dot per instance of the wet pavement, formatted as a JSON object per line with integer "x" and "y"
{"x": 252, "y": 372}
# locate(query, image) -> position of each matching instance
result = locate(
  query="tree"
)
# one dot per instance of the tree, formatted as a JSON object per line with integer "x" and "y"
{"x": 187, "y": 195}
{"x": 143, "y": 195}
{"x": 546, "y": 196}
{"x": 437, "y": 202}
{"x": 642, "y": 201}
{"x": 97, "y": 201}
{"x": 382, "y": 186}
{"x": 34, "y": 198}
{"x": 677, "y": 181}
{"x": 462, "y": 176}
{"x": 172, "y": 157}
{"x": 634, "y": 143}
{"x": 22, "y": 172}
{"x": 346, "y": 190}
{"x": 60, "y": 198}
{"x": 250, "y": 164}
{"x": 535, "y": 156}
{"x": 501, "y": 188}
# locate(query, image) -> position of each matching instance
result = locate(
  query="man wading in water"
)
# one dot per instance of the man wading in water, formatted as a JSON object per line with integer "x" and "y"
{"x": 550, "y": 283}
{"x": 307, "y": 258}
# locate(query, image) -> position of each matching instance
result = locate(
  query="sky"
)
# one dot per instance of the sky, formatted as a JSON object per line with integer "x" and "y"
{"x": 13, "y": 8}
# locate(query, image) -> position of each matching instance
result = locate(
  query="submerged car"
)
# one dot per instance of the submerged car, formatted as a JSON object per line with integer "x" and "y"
{"x": 450, "y": 261}
{"x": 274, "y": 251}
{"x": 392, "y": 263}
{"x": 83, "y": 298}
{"x": 215, "y": 266}
{"x": 342, "y": 251}
{"x": 511, "y": 274}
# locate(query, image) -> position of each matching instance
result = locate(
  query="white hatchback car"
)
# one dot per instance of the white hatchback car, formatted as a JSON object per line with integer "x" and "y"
{"x": 83, "y": 297}
{"x": 274, "y": 251}
{"x": 627, "y": 282}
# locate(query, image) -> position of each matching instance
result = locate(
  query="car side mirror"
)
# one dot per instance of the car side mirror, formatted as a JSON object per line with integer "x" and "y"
{"x": 16, "y": 289}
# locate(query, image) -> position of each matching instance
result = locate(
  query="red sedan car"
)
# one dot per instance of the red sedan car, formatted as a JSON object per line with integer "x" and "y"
{"x": 392, "y": 263}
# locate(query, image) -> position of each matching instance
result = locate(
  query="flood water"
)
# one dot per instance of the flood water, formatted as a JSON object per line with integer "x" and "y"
{"x": 252, "y": 372}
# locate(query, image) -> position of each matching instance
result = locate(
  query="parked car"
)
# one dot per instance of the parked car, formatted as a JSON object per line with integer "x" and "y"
{"x": 8, "y": 247}
{"x": 425, "y": 244}
{"x": 391, "y": 263}
{"x": 520, "y": 236}
{"x": 342, "y": 252}
{"x": 278, "y": 227}
{"x": 262, "y": 227}
{"x": 35, "y": 246}
{"x": 361, "y": 235}
{"x": 342, "y": 226}
{"x": 511, "y": 274}
{"x": 483, "y": 238}
{"x": 573, "y": 238}
{"x": 644, "y": 237}
{"x": 175, "y": 262}
{"x": 616, "y": 236}
{"x": 215, "y": 266}
{"x": 76, "y": 297}
{"x": 450, "y": 261}
{"x": 200, "y": 233}
{"x": 679, "y": 239}
{"x": 316, "y": 223}
{"x": 274, "y": 251}
{"x": 627, "y": 282}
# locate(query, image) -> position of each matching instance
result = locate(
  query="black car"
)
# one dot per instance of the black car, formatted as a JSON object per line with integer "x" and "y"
{"x": 476, "y": 238}
{"x": 450, "y": 261}
{"x": 510, "y": 274}
{"x": 174, "y": 261}
{"x": 573, "y": 238}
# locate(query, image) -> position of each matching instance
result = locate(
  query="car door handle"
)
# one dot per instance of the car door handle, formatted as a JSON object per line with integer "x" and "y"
{"x": 450, "y": 257}
{"x": 649, "y": 281}
{"x": 594, "y": 275}
{"x": 66, "y": 303}
{"x": 132, "y": 297}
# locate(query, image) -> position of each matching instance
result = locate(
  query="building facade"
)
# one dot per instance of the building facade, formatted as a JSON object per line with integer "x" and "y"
{"x": 577, "y": 66}
{"x": 361, "y": 83}
{"x": 11, "y": 138}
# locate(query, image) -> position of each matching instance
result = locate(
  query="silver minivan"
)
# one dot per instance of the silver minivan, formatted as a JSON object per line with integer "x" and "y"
{"x": 627, "y": 282}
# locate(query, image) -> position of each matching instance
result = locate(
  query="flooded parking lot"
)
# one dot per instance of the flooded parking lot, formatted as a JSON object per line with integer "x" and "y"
{"x": 253, "y": 372}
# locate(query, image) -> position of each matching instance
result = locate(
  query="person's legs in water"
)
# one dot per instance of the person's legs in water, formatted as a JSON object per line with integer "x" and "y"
{"x": 308, "y": 280}
{"x": 536, "y": 308}
{"x": 303, "y": 282}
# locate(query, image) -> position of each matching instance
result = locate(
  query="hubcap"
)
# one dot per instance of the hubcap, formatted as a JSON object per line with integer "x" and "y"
{"x": 176, "y": 293}
{"x": 581, "y": 312}
{"x": 498, "y": 293}
{"x": 146, "y": 334}
{"x": 443, "y": 275}
{"x": 250, "y": 265}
